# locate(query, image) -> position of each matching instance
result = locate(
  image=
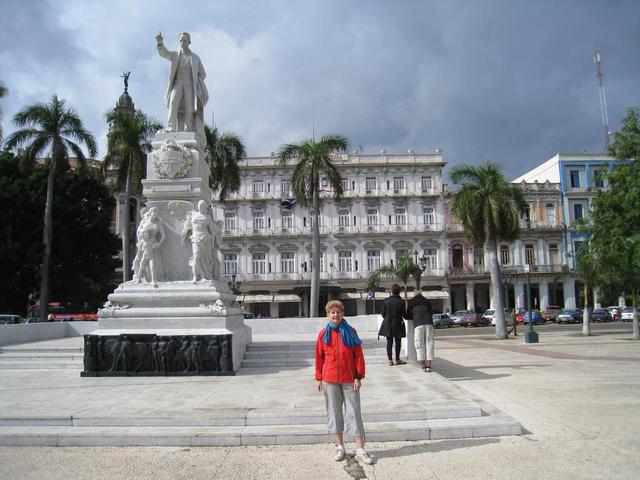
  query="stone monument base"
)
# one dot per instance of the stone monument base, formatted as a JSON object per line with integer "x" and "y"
{"x": 168, "y": 328}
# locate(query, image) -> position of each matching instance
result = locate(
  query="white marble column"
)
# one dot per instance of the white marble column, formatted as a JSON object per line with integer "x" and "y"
{"x": 568, "y": 288}
{"x": 471, "y": 303}
{"x": 274, "y": 310}
{"x": 543, "y": 289}
{"x": 519, "y": 293}
{"x": 361, "y": 307}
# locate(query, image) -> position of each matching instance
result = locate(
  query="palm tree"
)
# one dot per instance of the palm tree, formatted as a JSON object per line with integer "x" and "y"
{"x": 55, "y": 129}
{"x": 404, "y": 269}
{"x": 489, "y": 210}
{"x": 587, "y": 270}
{"x": 313, "y": 160}
{"x": 3, "y": 93}
{"x": 128, "y": 143}
{"x": 223, "y": 152}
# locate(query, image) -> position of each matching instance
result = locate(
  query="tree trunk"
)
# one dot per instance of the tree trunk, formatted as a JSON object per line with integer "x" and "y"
{"x": 315, "y": 251}
{"x": 586, "y": 318}
{"x": 494, "y": 270}
{"x": 47, "y": 237}
{"x": 634, "y": 303}
{"x": 124, "y": 228}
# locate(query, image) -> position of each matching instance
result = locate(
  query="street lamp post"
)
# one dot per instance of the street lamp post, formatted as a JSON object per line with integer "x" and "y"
{"x": 420, "y": 261}
{"x": 506, "y": 284}
{"x": 235, "y": 286}
{"x": 531, "y": 336}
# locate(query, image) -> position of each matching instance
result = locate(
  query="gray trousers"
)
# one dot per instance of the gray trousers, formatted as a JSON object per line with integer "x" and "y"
{"x": 423, "y": 338}
{"x": 336, "y": 396}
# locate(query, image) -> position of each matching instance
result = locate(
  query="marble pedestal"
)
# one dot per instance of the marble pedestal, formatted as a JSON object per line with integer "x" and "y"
{"x": 172, "y": 326}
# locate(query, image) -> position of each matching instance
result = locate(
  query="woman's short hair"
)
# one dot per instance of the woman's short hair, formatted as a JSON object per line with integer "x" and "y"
{"x": 334, "y": 303}
{"x": 395, "y": 289}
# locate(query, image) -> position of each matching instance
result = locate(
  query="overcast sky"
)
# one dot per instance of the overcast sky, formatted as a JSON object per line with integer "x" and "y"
{"x": 508, "y": 81}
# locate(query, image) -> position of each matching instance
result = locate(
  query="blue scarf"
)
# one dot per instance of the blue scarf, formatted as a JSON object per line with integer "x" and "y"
{"x": 349, "y": 336}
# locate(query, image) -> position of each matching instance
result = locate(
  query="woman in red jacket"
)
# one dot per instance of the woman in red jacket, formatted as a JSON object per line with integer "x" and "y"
{"x": 339, "y": 372}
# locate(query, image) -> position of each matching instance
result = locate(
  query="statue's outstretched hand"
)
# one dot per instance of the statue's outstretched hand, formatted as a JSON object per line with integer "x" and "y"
{"x": 159, "y": 38}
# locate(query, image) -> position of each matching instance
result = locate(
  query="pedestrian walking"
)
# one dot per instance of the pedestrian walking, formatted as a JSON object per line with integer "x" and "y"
{"x": 422, "y": 315}
{"x": 340, "y": 369}
{"x": 392, "y": 327}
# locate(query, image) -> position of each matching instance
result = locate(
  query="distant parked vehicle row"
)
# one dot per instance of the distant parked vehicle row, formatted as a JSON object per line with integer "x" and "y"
{"x": 551, "y": 313}
{"x": 569, "y": 315}
{"x": 442, "y": 320}
{"x": 490, "y": 315}
{"x": 10, "y": 319}
{"x": 600, "y": 315}
{"x": 535, "y": 316}
{"x": 627, "y": 314}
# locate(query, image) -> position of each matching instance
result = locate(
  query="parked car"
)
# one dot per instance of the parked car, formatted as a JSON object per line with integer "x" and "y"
{"x": 10, "y": 319}
{"x": 569, "y": 315}
{"x": 627, "y": 314}
{"x": 600, "y": 315}
{"x": 248, "y": 316}
{"x": 458, "y": 316}
{"x": 519, "y": 314}
{"x": 615, "y": 312}
{"x": 550, "y": 313}
{"x": 491, "y": 315}
{"x": 536, "y": 317}
{"x": 442, "y": 320}
{"x": 475, "y": 320}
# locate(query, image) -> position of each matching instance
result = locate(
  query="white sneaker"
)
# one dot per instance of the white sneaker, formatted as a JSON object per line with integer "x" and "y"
{"x": 362, "y": 455}
{"x": 340, "y": 453}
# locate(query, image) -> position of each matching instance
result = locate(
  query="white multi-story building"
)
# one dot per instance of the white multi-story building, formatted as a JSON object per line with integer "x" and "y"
{"x": 392, "y": 205}
{"x": 540, "y": 249}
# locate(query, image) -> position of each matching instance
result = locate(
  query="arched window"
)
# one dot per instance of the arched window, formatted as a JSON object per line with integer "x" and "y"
{"x": 550, "y": 212}
{"x": 457, "y": 256}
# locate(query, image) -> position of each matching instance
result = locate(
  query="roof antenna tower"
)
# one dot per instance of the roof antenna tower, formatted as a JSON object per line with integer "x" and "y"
{"x": 603, "y": 100}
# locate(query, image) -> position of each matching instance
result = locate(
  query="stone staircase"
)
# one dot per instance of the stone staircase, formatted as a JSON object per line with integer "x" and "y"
{"x": 270, "y": 401}
{"x": 43, "y": 358}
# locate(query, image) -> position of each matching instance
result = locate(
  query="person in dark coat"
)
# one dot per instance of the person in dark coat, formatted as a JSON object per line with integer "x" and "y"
{"x": 393, "y": 311}
{"x": 421, "y": 313}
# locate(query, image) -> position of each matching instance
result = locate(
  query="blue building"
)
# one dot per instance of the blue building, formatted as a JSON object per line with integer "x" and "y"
{"x": 580, "y": 176}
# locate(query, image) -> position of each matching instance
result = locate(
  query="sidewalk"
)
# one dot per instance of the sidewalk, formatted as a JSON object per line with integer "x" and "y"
{"x": 576, "y": 397}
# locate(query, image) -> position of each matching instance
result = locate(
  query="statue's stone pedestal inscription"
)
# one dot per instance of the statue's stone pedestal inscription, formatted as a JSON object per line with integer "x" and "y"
{"x": 165, "y": 352}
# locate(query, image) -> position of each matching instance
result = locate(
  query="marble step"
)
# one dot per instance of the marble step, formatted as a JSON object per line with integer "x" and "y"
{"x": 250, "y": 417}
{"x": 17, "y": 349}
{"x": 299, "y": 362}
{"x": 41, "y": 365}
{"x": 488, "y": 426}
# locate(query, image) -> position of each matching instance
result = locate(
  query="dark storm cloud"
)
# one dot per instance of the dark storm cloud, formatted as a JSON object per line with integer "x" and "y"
{"x": 512, "y": 82}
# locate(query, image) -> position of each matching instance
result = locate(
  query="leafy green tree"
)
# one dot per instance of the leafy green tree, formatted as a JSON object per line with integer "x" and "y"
{"x": 314, "y": 160}
{"x": 21, "y": 200}
{"x": 128, "y": 144}
{"x": 3, "y": 93}
{"x": 489, "y": 210}
{"x": 616, "y": 214}
{"x": 51, "y": 128}
{"x": 223, "y": 152}
{"x": 84, "y": 250}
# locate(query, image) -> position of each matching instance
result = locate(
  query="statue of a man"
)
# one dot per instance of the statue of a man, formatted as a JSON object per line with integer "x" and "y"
{"x": 186, "y": 93}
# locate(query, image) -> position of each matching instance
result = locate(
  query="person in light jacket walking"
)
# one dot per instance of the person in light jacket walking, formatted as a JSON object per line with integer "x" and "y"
{"x": 420, "y": 312}
{"x": 392, "y": 327}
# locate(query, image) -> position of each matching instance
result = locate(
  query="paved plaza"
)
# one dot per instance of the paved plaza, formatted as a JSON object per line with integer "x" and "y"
{"x": 575, "y": 397}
